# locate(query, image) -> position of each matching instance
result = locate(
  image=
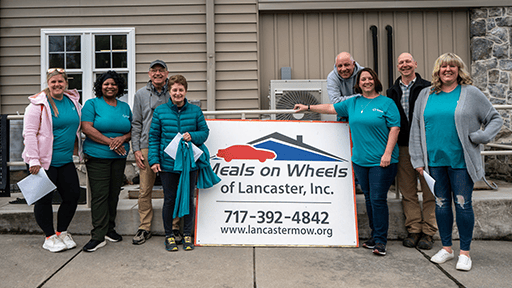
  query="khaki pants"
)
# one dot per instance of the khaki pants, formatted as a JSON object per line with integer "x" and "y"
{"x": 147, "y": 180}
{"x": 417, "y": 220}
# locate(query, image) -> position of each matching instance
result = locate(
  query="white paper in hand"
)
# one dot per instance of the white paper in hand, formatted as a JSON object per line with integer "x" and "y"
{"x": 35, "y": 187}
{"x": 172, "y": 148}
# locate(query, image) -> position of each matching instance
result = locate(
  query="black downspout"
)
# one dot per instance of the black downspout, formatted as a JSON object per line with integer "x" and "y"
{"x": 389, "y": 29}
{"x": 373, "y": 28}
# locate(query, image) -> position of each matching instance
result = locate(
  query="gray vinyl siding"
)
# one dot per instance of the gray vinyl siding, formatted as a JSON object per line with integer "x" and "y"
{"x": 236, "y": 48}
{"x": 174, "y": 31}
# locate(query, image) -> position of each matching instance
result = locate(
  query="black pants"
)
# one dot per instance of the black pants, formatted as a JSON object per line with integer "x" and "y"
{"x": 68, "y": 186}
{"x": 106, "y": 176}
{"x": 170, "y": 182}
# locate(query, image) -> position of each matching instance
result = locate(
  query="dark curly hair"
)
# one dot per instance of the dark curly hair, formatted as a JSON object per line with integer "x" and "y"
{"x": 107, "y": 75}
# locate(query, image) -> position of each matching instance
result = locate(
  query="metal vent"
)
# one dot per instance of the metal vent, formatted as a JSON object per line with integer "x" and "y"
{"x": 288, "y": 101}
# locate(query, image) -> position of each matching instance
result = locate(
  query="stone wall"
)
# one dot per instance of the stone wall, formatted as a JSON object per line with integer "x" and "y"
{"x": 491, "y": 63}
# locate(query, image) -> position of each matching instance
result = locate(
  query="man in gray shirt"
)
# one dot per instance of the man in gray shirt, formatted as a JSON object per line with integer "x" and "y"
{"x": 341, "y": 80}
{"x": 146, "y": 100}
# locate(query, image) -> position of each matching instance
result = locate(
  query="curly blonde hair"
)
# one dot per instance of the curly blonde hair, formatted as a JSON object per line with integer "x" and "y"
{"x": 451, "y": 59}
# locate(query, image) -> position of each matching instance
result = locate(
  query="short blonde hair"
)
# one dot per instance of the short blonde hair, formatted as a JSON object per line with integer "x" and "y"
{"x": 452, "y": 59}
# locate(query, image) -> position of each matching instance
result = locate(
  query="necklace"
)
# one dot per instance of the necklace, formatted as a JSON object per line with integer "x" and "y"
{"x": 366, "y": 105}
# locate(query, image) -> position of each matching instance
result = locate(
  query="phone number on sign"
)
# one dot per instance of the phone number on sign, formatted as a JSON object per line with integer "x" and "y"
{"x": 277, "y": 217}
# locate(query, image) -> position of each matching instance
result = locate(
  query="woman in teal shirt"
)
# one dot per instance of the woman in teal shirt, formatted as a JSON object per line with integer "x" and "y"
{"x": 51, "y": 130}
{"x": 445, "y": 141}
{"x": 106, "y": 122}
{"x": 374, "y": 125}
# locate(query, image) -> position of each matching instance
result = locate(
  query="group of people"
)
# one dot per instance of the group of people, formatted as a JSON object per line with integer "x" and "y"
{"x": 53, "y": 123}
{"x": 419, "y": 127}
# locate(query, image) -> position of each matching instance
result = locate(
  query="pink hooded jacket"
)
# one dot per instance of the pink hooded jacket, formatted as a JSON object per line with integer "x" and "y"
{"x": 38, "y": 129}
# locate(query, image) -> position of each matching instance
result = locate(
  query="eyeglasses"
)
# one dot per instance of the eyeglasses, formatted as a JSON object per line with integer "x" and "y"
{"x": 51, "y": 70}
{"x": 157, "y": 70}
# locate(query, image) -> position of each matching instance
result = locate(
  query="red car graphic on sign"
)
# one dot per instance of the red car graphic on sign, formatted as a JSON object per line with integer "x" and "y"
{"x": 245, "y": 152}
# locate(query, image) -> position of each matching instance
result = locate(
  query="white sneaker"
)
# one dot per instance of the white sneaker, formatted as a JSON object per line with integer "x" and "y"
{"x": 54, "y": 244}
{"x": 464, "y": 263}
{"x": 67, "y": 239}
{"x": 442, "y": 256}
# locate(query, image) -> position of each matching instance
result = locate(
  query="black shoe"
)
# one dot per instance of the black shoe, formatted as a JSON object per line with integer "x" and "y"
{"x": 426, "y": 242}
{"x": 187, "y": 243}
{"x": 112, "y": 236}
{"x": 412, "y": 240}
{"x": 177, "y": 236}
{"x": 370, "y": 243}
{"x": 380, "y": 249}
{"x": 170, "y": 244}
{"x": 141, "y": 236}
{"x": 93, "y": 245}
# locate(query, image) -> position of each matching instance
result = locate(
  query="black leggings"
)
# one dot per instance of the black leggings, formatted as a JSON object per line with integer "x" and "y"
{"x": 68, "y": 186}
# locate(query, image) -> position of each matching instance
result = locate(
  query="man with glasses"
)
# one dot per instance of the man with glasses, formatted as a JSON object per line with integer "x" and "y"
{"x": 146, "y": 100}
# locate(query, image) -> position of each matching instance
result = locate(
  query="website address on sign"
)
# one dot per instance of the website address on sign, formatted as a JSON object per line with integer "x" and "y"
{"x": 277, "y": 231}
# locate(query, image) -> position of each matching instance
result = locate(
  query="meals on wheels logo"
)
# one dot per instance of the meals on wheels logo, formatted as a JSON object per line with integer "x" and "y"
{"x": 283, "y": 183}
{"x": 277, "y": 147}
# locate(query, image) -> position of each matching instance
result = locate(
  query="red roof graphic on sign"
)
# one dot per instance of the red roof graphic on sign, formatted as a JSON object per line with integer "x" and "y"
{"x": 245, "y": 152}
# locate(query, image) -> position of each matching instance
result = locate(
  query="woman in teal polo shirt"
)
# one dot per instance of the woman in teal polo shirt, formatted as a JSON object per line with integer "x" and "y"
{"x": 374, "y": 124}
{"x": 106, "y": 122}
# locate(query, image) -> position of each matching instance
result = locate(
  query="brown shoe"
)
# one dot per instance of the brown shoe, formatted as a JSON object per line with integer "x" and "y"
{"x": 426, "y": 242}
{"x": 412, "y": 239}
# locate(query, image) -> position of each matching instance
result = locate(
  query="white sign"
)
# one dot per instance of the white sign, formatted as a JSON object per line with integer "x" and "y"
{"x": 283, "y": 183}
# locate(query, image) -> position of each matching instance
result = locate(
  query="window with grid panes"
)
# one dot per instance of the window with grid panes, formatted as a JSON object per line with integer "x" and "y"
{"x": 87, "y": 53}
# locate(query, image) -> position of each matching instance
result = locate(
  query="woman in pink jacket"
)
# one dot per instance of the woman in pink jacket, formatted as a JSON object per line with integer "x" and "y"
{"x": 51, "y": 130}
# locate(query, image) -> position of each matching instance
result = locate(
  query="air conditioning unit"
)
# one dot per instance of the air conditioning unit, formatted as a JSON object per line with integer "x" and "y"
{"x": 284, "y": 94}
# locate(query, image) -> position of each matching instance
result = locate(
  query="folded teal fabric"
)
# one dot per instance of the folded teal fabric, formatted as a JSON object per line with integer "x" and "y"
{"x": 184, "y": 163}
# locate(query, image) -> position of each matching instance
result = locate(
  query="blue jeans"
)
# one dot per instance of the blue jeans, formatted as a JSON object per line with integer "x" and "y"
{"x": 170, "y": 183}
{"x": 454, "y": 185}
{"x": 375, "y": 182}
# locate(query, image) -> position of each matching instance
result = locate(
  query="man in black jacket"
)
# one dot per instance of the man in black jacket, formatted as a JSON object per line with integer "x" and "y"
{"x": 420, "y": 224}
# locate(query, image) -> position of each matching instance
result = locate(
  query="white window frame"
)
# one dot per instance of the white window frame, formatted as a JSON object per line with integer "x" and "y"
{"x": 88, "y": 57}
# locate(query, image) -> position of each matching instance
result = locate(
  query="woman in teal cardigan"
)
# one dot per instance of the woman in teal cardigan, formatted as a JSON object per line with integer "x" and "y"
{"x": 177, "y": 116}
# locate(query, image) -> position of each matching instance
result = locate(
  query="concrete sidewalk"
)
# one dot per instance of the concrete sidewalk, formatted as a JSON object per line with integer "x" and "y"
{"x": 25, "y": 264}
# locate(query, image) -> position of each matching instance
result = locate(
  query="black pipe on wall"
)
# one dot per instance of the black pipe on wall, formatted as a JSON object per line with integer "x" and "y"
{"x": 389, "y": 30}
{"x": 373, "y": 28}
